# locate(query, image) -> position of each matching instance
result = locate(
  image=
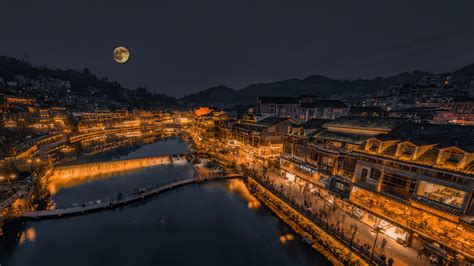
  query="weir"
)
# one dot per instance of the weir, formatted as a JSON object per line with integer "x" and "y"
{"x": 91, "y": 169}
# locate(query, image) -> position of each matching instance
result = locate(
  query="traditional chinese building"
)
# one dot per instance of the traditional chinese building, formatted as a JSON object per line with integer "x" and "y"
{"x": 261, "y": 142}
{"x": 418, "y": 178}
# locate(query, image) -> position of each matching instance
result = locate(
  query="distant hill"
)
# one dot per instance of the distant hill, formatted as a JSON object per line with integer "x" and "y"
{"x": 83, "y": 81}
{"x": 312, "y": 85}
{"x": 469, "y": 70}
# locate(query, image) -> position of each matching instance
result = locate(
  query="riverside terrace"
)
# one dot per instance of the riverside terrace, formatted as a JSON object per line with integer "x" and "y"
{"x": 418, "y": 206}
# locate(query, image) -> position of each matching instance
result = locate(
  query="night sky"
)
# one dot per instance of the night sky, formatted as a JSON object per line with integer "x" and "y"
{"x": 178, "y": 46}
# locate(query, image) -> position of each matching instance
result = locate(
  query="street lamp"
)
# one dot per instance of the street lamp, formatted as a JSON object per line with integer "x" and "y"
{"x": 378, "y": 230}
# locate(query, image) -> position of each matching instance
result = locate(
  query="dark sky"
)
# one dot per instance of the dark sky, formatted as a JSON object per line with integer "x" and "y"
{"x": 179, "y": 46}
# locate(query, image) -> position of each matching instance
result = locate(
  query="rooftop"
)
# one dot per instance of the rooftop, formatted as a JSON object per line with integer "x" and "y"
{"x": 270, "y": 121}
{"x": 262, "y": 124}
{"x": 442, "y": 135}
{"x": 343, "y": 137}
{"x": 368, "y": 123}
{"x": 314, "y": 123}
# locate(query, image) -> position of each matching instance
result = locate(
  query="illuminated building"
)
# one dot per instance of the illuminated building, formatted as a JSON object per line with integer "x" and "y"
{"x": 94, "y": 121}
{"x": 262, "y": 141}
{"x": 416, "y": 177}
{"x": 419, "y": 176}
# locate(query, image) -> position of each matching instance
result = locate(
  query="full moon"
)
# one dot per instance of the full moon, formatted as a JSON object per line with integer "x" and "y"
{"x": 121, "y": 54}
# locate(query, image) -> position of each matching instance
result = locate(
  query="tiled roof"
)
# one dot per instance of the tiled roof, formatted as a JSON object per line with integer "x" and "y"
{"x": 261, "y": 125}
{"x": 470, "y": 167}
{"x": 248, "y": 127}
{"x": 429, "y": 157}
{"x": 363, "y": 122}
{"x": 314, "y": 123}
{"x": 442, "y": 135}
{"x": 270, "y": 121}
{"x": 390, "y": 151}
{"x": 385, "y": 137}
{"x": 344, "y": 137}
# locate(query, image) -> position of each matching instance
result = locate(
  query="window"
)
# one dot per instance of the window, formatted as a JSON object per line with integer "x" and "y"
{"x": 375, "y": 174}
{"x": 374, "y": 146}
{"x": 454, "y": 157}
{"x": 409, "y": 150}
{"x": 328, "y": 161}
{"x": 340, "y": 186}
{"x": 397, "y": 185}
{"x": 336, "y": 144}
{"x": 349, "y": 164}
{"x": 364, "y": 173}
{"x": 439, "y": 193}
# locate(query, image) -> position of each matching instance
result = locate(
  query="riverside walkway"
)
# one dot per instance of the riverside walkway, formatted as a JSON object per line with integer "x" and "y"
{"x": 137, "y": 195}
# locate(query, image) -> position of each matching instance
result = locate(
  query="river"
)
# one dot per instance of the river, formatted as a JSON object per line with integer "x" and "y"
{"x": 216, "y": 223}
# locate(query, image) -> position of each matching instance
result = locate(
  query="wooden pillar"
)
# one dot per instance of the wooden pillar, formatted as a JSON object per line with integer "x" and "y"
{"x": 379, "y": 183}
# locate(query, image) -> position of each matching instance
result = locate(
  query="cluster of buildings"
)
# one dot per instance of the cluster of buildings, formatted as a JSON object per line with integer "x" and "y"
{"x": 418, "y": 178}
{"x": 57, "y": 134}
{"x": 435, "y": 99}
{"x": 301, "y": 108}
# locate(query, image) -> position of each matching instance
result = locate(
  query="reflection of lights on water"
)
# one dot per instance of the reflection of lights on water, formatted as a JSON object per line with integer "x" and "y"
{"x": 75, "y": 176}
{"x": 286, "y": 238}
{"x": 239, "y": 187}
{"x": 29, "y": 235}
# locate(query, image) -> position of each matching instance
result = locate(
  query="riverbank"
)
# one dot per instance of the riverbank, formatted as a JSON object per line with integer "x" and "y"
{"x": 331, "y": 248}
{"x": 207, "y": 224}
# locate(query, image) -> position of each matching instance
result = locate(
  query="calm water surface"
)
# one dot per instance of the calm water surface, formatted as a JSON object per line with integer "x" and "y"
{"x": 207, "y": 224}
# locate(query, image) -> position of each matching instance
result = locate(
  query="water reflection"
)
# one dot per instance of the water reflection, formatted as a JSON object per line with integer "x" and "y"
{"x": 213, "y": 224}
{"x": 238, "y": 187}
{"x": 169, "y": 146}
{"x": 208, "y": 224}
{"x": 28, "y": 235}
{"x": 286, "y": 237}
